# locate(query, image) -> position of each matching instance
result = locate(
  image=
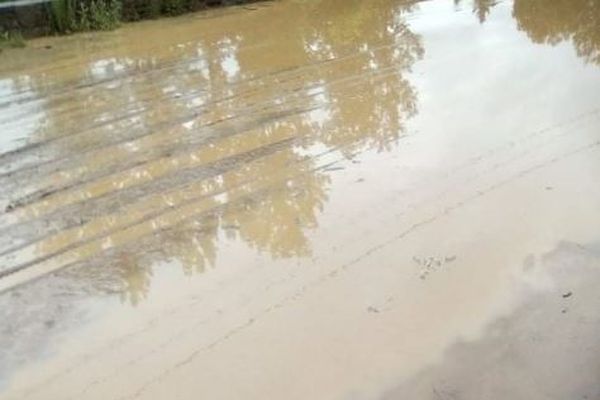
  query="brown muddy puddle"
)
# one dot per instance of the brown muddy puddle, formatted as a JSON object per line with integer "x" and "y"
{"x": 305, "y": 200}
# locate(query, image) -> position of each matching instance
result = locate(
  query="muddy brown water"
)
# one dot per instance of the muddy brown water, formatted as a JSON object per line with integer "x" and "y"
{"x": 305, "y": 200}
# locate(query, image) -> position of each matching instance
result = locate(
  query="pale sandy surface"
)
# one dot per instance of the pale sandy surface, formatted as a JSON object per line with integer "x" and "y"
{"x": 306, "y": 200}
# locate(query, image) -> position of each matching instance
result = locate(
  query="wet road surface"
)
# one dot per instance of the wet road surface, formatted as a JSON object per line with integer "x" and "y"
{"x": 305, "y": 200}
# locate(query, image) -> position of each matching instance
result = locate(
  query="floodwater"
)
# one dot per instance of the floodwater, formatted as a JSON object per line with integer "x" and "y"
{"x": 296, "y": 199}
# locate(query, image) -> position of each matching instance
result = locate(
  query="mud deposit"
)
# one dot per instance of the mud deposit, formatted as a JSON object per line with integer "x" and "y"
{"x": 297, "y": 199}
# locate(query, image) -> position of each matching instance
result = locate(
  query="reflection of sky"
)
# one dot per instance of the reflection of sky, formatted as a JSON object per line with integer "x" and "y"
{"x": 19, "y": 120}
{"x": 201, "y": 64}
{"x": 109, "y": 67}
{"x": 457, "y": 69}
{"x": 515, "y": 77}
{"x": 322, "y": 114}
{"x": 311, "y": 150}
{"x": 317, "y": 48}
{"x": 229, "y": 62}
{"x": 230, "y": 65}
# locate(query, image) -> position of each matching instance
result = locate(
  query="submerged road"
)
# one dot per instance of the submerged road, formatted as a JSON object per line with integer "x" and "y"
{"x": 305, "y": 200}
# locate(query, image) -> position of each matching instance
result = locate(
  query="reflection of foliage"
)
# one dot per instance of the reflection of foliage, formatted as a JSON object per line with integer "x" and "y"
{"x": 551, "y": 22}
{"x": 63, "y": 15}
{"x": 82, "y": 15}
{"x": 278, "y": 220}
{"x": 481, "y": 8}
{"x": 193, "y": 245}
{"x": 352, "y": 23}
{"x": 360, "y": 100}
{"x": 353, "y": 57}
{"x": 135, "y": 277}
{"x": 385, "y": 48}
{"x": 378, "y": 49}
{"x": 11, "y": 40}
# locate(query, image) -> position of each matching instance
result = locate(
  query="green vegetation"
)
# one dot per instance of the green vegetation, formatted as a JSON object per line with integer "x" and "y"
{"x": 83, "y": 15}
{"x": 69, "y": 16}
{"x": 148, "y": 9}
{"x": 11, "y": 40}
{"x": 75, "y": 16}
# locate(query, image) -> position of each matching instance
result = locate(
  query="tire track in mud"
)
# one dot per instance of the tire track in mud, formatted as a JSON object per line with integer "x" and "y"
{"x": 235, "y": 97}
{"x": 66, "y": 60}
{"x": 4, "y": 253}
{"x": 75, "y": 85}
{"x": 164, "y": 148}
{"x": 326, "y": 277}
{"x": 97, "y": 246}
{"x": 249, "y": 110}
{"x": 130, "y": 78}
{"x": 374, "y": 75}
{"x": 187, "y": 181}
{"x": 445, "y": 210}
{"x": 255, "y": 196}
{"x": 72, "y": 246}
{"x": 15, "y": 213}
{"x": 258, "y": 79}
{"x": 97, "y": 261}
{"x": 297, "y": 85}
{"x": 36, "y": 229}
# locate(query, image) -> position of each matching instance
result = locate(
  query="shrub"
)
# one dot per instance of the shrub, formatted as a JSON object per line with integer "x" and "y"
{"x": 83, "y": 15}
{"x": 63, "y": 15}
{"x": 11, "y": 40}
{"x": 104, "y": 15}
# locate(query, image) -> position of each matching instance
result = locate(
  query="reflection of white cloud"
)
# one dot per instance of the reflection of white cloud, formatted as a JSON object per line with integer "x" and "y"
{"x": 229, "y": 62}
{"x": 18, "y": 121}
{"x": 230, "y": 65}
{"x": 319, "y": 117}
{"x": 132, "y": 146}
{"x": 314, "y": 46}
{"x": 109, "y": 67}
{"x": 201, "y": 64}
{"x": 195, "y": 102}
{"x": 317, "y": 48}
{"x": 311, "y": 150}
{"x": 320, "y": 98}
{"x": 169, "y": 89}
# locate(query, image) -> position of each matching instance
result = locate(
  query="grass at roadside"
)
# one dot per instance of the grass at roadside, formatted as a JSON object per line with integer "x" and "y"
{"x": 11, "y": 40}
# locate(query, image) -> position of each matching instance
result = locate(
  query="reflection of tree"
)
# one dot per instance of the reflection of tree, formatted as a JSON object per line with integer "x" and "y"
{"x": 135, "y": 276}
{"x": 279, "y": 220}
{"x": 353, "y": 56}
{"x": 192, "y": 245}
{"x": 481, "y": 8}
{"x": 386, "y": 49}
{"x": 551, "y": 22}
